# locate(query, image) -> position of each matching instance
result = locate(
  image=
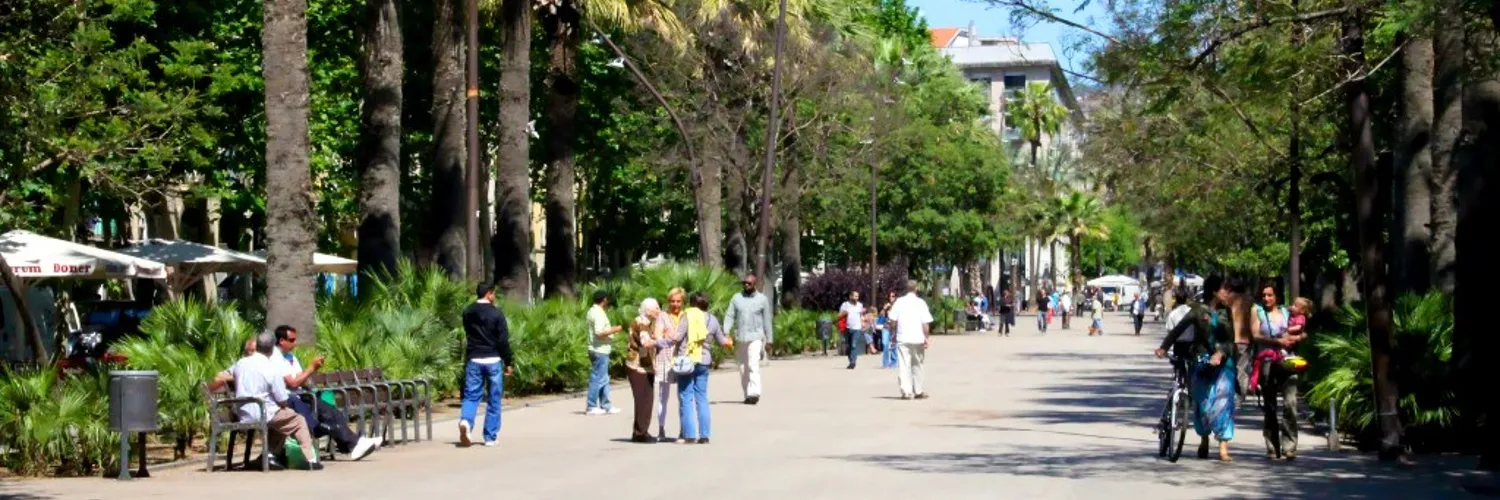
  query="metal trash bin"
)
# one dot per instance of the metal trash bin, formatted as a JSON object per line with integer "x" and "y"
{"x": 825, "y": 333}
{"x": 960, "y": 317}
{"x": 133, "y": 397}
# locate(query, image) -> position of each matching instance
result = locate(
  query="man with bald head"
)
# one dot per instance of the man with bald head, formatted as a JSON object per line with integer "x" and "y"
{"x": 256, "y": 377}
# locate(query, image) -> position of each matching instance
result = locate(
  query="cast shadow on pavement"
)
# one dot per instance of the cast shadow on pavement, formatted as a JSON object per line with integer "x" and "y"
{"x": 1341, "y": 476}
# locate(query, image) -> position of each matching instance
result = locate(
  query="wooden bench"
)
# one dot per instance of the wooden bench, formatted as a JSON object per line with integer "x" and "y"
{"x": 223, "y": 417}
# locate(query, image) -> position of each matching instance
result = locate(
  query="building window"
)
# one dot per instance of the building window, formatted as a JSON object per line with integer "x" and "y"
{"x": 1013, "y": 85}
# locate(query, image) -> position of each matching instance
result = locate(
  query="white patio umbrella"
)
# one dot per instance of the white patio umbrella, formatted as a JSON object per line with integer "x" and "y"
{"x": 33, "y": 256}
{"x": 1114, "y": 280}
{"x": 188, "y": 261}
{"x": 325, "y": 263}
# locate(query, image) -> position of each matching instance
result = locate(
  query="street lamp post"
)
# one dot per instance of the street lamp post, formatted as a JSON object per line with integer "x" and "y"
{"x": 874, "y": 263}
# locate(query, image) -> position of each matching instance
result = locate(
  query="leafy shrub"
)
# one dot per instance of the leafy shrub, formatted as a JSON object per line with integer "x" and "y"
{"x": 826, "y": 291}
{"x": 53, "y": 425}
{"x": 409, "y": 324}
{"x": 1341, "y": 373}
{"x": 186, "y": 342}
{"x": 796, "y": 332}
{"x": 629, "y": 290}
{"x": 550, "y": 341}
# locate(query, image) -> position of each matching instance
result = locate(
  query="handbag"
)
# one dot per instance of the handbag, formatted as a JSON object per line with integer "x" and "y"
{"x": 683, "y": 365}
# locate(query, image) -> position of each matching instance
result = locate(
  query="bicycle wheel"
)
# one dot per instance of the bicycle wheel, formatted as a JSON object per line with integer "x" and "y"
{"x": 1179, "y": 424}
{"x": 1164, "y": 427}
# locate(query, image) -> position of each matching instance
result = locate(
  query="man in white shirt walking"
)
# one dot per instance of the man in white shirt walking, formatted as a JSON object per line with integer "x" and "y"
{"x": 853, "y": 312}
{"x": 913, "y": 329}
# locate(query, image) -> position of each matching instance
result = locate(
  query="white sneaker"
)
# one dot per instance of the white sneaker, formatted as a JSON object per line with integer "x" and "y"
{"x": 363, "y": 448}
{"x": 594, "y": 411}
{"x": 491, "y": 443}
{"x": 463, "y": 433}
{"x": 379, "y": 442}
{"x": 612, "y": 411}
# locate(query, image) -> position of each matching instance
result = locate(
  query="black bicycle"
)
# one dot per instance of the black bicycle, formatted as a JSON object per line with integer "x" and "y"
{"x": 1172, "y": 429}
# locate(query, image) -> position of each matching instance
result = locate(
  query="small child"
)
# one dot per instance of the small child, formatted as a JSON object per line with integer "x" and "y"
{"x": 1297, "y": 324}
{"x": 1097, "y": 326}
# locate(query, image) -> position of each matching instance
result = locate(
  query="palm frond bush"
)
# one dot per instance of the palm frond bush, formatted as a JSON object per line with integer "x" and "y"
{"x": 796, "y": 332}
{"x": 550, "y": 340}
{"x": 186, "y": 342}
{"x": 1341, "y": 373}
{"x": 54, "y": 425}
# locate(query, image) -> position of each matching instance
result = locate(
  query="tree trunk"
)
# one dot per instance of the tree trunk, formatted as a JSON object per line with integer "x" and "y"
{"x": 1447, "y": 124}
{"x": 1051, "y": 261}
{"x": 1478, "y": 270}
{"x": 23, "y": 309}
{"x": 291, "y": 232}
{"x": 735, "y": 249}
{"x": 708, "y": 198}
{"x": 381, "y": 66}
{"x": 1370, "y": 218}
{"x": 763, "y": 225}
{"x": 1412, "y": 200}
{"x": 447, "y": 230}
{"x": 791, "y": 235}
{"x": 560, "y": 271}
{"x": 1076, "y": 276}
{"x": 512, "y": 241}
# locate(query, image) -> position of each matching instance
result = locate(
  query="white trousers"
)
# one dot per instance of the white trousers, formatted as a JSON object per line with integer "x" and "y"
{"x": 663, "y": 400}
{"x": 909, "y": 358}
{"x": 748, "y": 355}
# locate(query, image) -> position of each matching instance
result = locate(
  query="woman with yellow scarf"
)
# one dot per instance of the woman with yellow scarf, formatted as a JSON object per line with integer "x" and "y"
{"x": 691, "y": 344}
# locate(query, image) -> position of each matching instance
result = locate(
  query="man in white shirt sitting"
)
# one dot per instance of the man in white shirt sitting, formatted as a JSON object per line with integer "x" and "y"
{"x": 913, "y": 329}
{"x": 255, "y": 376}
{"x": 322, "y": 418}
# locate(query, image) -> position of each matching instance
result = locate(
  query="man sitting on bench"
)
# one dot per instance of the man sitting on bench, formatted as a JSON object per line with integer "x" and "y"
{"x": 324, "y": 419}
{"x": 255, "y": 376}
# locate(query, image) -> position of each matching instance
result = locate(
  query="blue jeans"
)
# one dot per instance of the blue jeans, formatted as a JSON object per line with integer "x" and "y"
{"x": 487, "y": 381}
{"x": 888, "y": 357}
{"x": 692, "y": 403}
{"x": 599, "y": 381}
{"x": 1041, "y": 321}
{"x": 855, "y": 341}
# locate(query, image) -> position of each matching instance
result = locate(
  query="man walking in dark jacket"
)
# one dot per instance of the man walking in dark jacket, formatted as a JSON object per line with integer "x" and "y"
{"x": 487, "y": 349}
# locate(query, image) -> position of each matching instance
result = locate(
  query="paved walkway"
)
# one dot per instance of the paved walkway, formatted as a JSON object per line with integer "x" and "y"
{"x": 1029, "y": 416}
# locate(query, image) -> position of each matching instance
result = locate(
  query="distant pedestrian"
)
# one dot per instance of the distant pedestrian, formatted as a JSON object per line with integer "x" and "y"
{"x": 1007, "y": 313}
{"x": 752, "y": 311}
{"x": 1065, "y": 307}
{"x": 1138, "y": 312}
{"x": 487, "y": 349}
{"x": 601, "y": 338}
{"x": 852, "y": 312}
{"x": 1041, "y": 312}
{"x": 913, "y": 326}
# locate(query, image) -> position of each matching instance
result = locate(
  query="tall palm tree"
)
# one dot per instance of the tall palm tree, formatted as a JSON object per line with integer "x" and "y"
{"x": 381, "y": 66}
{"x": 290, "y": 233}
{"x": 1036, "y": 113}
{"x": 511, "y": 243}
{"x": 447, "y": 231}
{"x": 1082, "y": 216}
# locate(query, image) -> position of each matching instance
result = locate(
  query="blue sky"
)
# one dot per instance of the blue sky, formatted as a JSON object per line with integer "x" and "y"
{"x": 990, "y": 21}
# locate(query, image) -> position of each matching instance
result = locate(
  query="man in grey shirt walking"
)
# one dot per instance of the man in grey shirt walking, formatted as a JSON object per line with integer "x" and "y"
{"x": 752, "y": 312}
